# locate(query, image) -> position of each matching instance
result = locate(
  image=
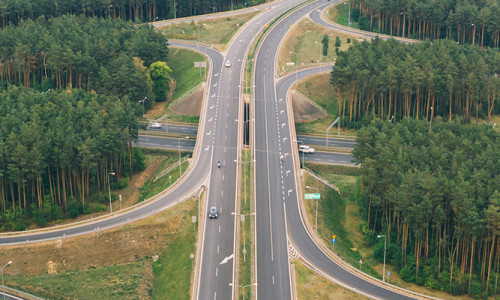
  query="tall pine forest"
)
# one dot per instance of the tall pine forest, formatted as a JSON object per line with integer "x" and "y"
{"x": 464, "y": 21}
{"x": 430, "y": 175}
{"x": 13, "y": 11}
{"x": 434, "y": 190}
{"x": 69, "y": 95}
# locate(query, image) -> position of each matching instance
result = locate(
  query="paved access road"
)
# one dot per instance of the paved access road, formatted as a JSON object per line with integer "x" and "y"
{"x": 170, "y": 143}
{"x": 333, "y": 142}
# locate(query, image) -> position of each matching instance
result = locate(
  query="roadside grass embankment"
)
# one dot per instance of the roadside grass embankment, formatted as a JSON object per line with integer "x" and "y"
{"x": 112, "y": 264}
{"x": 152, "y": 187}
{"x": 311, "y": 285}
{"x": 216, "y": 32}
{"x": 186, "y": 77}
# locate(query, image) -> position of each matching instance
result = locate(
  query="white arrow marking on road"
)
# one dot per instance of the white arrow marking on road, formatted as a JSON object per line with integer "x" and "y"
{"x": 281, "y": 112}
{"x": 212, "y": 106}
{"x": 216, "y": 74}
{"x": 210, "y": 120}
{"x": 207, "y": 148}
{"x": 283, "y": 125}
{"x": 225, "y": 260}
{"x": 213, "y": 95}
{"x": 210, "y": 132}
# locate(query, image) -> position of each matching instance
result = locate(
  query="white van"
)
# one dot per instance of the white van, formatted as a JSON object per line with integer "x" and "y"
{"x": 306, "y": 149}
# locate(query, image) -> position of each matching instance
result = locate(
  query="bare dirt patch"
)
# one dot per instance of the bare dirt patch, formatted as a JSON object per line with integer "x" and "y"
{"x": 190, "y": 105}
{"x": 304, "y": 110}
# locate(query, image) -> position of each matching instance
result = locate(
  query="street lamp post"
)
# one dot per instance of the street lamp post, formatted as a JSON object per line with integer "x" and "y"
{"x": 473, "y": 33}
{"x": 242, "y": 219}
{"x": 432, "y": 114}
{"x": 143, "y": 101}
{"x": 312, "y": 187}
{"x": 385, "y": 247}
{"x": 296, "y": 66}
{"x": 404, "y": 17}
{"x": 243, "y": 287}
{"x": 244, "y": 172}
{"x": 180, "y": 165}
{"x": 349, "y": 3}
{"x": 109, "y": 190}
{"x": 316, "y": 42}
{"x": 3, "y": 284}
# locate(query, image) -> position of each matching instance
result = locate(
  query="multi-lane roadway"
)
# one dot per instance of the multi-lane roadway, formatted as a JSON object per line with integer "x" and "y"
{"x": 279, "y": 224}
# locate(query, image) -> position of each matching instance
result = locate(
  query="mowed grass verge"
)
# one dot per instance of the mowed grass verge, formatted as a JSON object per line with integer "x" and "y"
{"x": 311, "y": 285}
{"x": 216, "y": 32}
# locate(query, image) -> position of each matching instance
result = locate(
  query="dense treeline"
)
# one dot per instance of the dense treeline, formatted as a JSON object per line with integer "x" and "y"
{"x": 465, "y": 21}
{"x": 387, "y": 78}
{"x": 13, "y": 11}
{"x": 110, "y": 57}
{"x": 435, "y": 192}
{"x": 57, "y": 147}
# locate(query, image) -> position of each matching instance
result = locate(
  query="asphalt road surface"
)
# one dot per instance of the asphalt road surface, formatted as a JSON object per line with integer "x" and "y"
{"x": 189, "y": 130}
{"x": 283, "y": 188}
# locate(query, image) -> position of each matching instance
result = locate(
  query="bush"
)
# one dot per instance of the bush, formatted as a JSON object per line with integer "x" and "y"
{"x": 121, "y": 184}
{"x": 337, "y": 42}
{"x": 408, "y": 272}
{"x": 139, "y": 160}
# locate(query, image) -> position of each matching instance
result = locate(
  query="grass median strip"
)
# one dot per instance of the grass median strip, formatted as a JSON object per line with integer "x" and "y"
{"x": 246, "y": 224}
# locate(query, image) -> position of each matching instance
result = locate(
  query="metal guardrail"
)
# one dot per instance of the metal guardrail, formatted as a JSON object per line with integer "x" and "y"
{"x": 323, "y": 180}
{"x": 171, "y": 167}
{"x": 19, "y": 293}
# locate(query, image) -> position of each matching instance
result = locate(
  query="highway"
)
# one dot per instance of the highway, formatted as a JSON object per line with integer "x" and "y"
{"x": 278, "y": 220}
{"x": 278, "y": 185}
{"x": 273, "y": 166}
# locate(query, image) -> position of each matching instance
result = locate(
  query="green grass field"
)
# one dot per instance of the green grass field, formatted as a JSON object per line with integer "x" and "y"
{"x": 173, "y": 271}
{"x": 110, "y": 282}
{"x": 217, "y": 32}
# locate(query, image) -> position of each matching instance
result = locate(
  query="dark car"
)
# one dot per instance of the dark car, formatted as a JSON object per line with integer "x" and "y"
{"x": 213, "y": 213}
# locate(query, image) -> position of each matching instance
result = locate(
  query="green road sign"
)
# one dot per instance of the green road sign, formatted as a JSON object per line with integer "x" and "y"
{"x": 312, "y": 196}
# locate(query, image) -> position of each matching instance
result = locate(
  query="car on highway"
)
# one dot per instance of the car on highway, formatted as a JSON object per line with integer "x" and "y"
{"x": 306, "y": 149}
{"x": 228, "y": 64}
{"x": 155, "y": 125}
{"x": 213, "y": 213}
